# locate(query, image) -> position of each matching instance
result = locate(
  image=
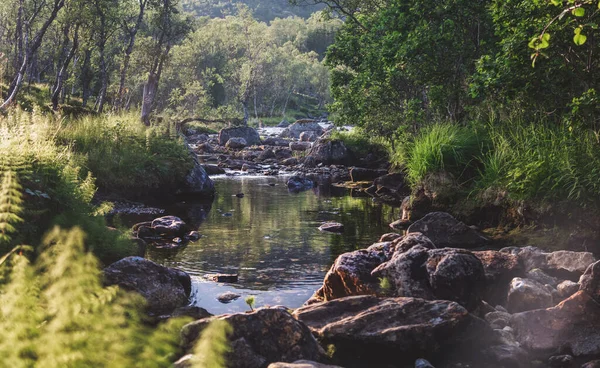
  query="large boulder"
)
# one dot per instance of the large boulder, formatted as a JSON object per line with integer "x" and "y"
{"x": 277, "y": 142}
{"x": 236, "y": 143}
{"x": 450, "y": 274}
{"x": 164, "y": 289}
{"x": 196, "y": 182}
{"x": 259, "y": 338}
{"x": 168, "y": 226}
{"x": 527, "y": 294}
{"x": 249, "y": 134}
{"x": 500, "y": 268}
{"x": 573, "y": 325}
{"x": 300, "y": 146}
{"x": 362, "y": 174}
{"x": 301, "y": 126}
{"x": 399, "y": 330}
{"x": 350, "y": 274}
{"x": 446, "y": 231}
{"x": 299, "y": 183}
{"x": 330, "y": 152}
{"x": 590, "y": 281}
{"x": 394, "y": 183}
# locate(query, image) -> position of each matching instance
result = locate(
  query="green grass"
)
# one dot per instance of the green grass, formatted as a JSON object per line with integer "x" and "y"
{"x": 126, "y": 157}
{"x": 441, "y": 147}
{"x": 361, "y": 144}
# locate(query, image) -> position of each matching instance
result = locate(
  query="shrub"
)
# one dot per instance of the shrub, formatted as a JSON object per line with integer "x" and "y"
{"x": 361, "y": 144}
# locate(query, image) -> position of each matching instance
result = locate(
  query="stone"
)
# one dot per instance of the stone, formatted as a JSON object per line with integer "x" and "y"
{"x": 498, "y": 320}
{"x": 350, "y": 274}
{"x": 299, "y": 183}
{"x": 399, "y": 330}
{"x": 361, "y": 174}
{"x": 389, "y": 237}
{"x": 401, "y": 224}
{"x": 249, "y": 134}
{"x": 500, "y": 268}
{"x": 284, "y": 153}
{"x": 164, "y": 289}
{"x": 332, "y": 227}
{"x": 526, "y": 294}
{"x": 228, "y": 297}
{"x": 309, "y": 136}
{"x": 330, "y": 152}
{"x": 592, "y": 364}
{"x": 192, "y": 236}
{"x": 236, "y": 143}
{"x": 450, "y": 274}
{"x": 292, "y": 161}
{"x": 409, "y": 241}
{"x": 394, "y": 182}
{"x": 276, "y": 142}
{"x": 301, "y": 126}
{"x": 267, "y": 155}
{"x": 261, "y": 337}
{"x": 573, "y": 325}
{"x": 563, "y": 264}
{"x": 507, "y": 356}
{"x": 300, "y": 146}
{"x": 561, "y": 361}
{"x": 283, "y": 124}
{"x": 541, "y": 277}
{"x": 191, "y": 311}
{"x": 567, "y": 288}
{"x": 205, "y": 148}
{"x": 222, "y": 277}
{"x": 422, "y": 363}
{"x": 590, "y": 281}
{"x": 213, "y": 169}
{"x": 168, "y": 226}
{"x": 196, "y": 182}
{"x": 445, "y": 231}
{"x": 302, "y": 364}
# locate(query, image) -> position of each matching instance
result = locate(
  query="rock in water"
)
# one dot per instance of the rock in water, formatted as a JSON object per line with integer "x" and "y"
{"x": 262, "y": 337}
{"x": 393, "y": 329}
{"x": 332, "y": 227}
{"x": 330, "y": 152}
{"x": 236, "y": 143}
{"x": 301, "y": 126}
{"x": 228, "y": 297}
{"x": 445, "y": 231}
{"x": 165, "y": 289}
{"x": 168, "y": 226}
{"x": 249, "y": 134}
{"x": 299, "y": 183}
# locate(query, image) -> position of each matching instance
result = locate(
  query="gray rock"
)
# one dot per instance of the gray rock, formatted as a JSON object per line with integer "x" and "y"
{"x": 249, "y": 134}
{"x": 445, "y": 231}
{"x": 573, "y": 325}
{"x": 409, "y": 241}
{"x": 567, "y": 288}
{"x": 300, "y": 126}
{"x": 389, "y": 237}
{"x": 396, "y": 329}
{"x": 267, "y": 155}
{"x": 498, "y": 320}
{"x": 262, "y": 337}
{"x": 507, "y": 356}
{"x": 590, "y": 281}
{"x": 168, "y": 226}
{"x": 236, "y": 143}
{"x": 362, "y": 174}
{"x": 422, "y": 363}
{"x": 213, "y": 170}
{"x": 164, "y": 289}
{"x": 191, "y": 311}
{"x": 500, "y": 268}
{"x": 541, "y": 277}
{"x": 526, "y": 294}
{"x": 449, "y": 274}
{"x": 561, "y": 361}
{"x": 283, "y": 124}
{"x": 309, "y": 136}
{"x": 276, "y": 142}
{"x": 558, "y": 264}
{"x": 228, "y": 297}
{"x": 300, "y": 146}
{"x": 299, "y": 183}
{"x": 330, "y": 152}
{"x": 292, "y": 161}
{"x": 592, "y": 364}
{"x": 196, "y": 182}
{"x": 332, "y": 227}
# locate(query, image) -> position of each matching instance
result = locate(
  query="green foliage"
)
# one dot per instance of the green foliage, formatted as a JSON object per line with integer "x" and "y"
{"x": 442, "y": 147}
{"x": 361, "y": 143}
{"x": 211, "y": 349}
{"x": 250, "y": 300}
{"x": 10, "y": 205}
{"x": 385, "y": 285}
{"x": 56, "y": 313}
{"x": 126, "y": 157}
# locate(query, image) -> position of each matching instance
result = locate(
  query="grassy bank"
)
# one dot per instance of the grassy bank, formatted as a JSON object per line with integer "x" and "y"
{"x": 537, "y": 163}
{"x": 51, "y": 169}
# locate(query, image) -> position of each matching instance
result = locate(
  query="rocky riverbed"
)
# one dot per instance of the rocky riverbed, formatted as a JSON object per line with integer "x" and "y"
{"x": 434, "y": 293}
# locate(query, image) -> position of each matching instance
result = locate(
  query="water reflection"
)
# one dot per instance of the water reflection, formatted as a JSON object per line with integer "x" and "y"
{"x": 271, "y": 240}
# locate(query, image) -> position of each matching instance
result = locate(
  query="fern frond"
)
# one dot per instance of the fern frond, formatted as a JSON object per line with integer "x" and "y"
{"x": 212, "y": 347}
{"x": 11, "y": 199}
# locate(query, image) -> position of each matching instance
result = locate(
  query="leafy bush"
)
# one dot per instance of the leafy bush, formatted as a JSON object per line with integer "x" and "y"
{"x": 125, "y": 156}
{"x": 360, "y": 143}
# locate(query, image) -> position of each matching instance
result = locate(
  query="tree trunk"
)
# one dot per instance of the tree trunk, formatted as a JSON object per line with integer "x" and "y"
{"x": 30, "y": 51}
{"x": 86, "y": 77}
{"x": 63, "y": 70}
{"x": 148, "y": 100}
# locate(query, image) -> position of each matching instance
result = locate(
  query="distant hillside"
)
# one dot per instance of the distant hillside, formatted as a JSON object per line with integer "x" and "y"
{"x": 264, "y": 10}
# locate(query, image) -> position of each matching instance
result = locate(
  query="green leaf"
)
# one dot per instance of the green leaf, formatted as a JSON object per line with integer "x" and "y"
{"x": 578, "y": 12}
{"x": 579, "y": 39}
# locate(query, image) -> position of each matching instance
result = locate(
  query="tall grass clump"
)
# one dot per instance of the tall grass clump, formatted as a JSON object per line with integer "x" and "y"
{"x": 446, "y": 147}
{"x": 43, "y": 186}
{"x": 126, "y": 157}
{"x": 541, "y": 161}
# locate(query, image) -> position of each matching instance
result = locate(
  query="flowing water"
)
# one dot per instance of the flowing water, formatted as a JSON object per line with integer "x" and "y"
{"x": 270, "y": 238}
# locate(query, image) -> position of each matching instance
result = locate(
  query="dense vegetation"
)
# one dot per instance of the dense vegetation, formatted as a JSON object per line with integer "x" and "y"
{"x": 451, "y": 87}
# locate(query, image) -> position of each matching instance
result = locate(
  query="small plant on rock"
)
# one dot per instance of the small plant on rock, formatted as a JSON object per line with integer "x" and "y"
{"x": 250, "y": 301}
